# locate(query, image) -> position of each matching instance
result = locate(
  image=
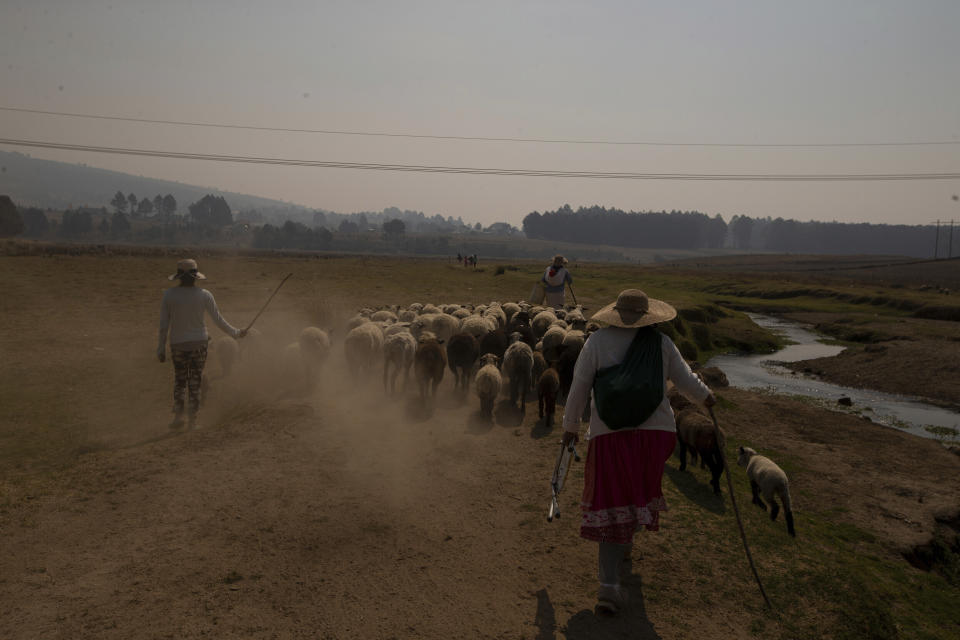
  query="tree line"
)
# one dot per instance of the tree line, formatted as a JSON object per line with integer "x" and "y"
{"x": 696, "y": 230}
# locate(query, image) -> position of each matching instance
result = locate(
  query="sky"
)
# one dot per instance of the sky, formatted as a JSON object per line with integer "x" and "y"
{"x": 691, "y": 77}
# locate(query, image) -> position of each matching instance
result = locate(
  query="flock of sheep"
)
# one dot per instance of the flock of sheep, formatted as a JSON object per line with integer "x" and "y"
{"x": 523, "y": 346}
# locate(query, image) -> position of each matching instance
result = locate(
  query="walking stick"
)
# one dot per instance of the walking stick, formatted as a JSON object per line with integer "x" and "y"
{"x": 572, "y": 294}
{"x": 559, "y": 475}
{"x": 264, "y": 307}
{"x": 736, "y": 511}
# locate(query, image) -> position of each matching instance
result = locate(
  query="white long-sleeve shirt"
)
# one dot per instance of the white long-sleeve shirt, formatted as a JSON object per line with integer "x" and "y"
{"x": 181, "y": 313}
{"x": 606, "y": 348}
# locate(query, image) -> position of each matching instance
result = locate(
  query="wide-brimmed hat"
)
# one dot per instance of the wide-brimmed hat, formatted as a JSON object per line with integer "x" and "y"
{"x": 559, "y": 260}
{"x": 187, "y": 266}
{"x": 634, "y": 308}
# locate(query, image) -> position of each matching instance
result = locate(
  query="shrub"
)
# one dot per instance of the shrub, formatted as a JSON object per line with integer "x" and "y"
{"x": 667, "y": 329}
{"x": 687, "y": 349}
{"x": 679, "y": 326}
{"x": 701, "y": 336}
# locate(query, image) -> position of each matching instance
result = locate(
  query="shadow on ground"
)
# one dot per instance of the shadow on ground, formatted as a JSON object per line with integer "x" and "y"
{"x": 587, "y": 624}
{"x": 700, "y": 493}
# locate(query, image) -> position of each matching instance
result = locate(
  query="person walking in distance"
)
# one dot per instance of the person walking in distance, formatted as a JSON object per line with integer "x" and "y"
{"x": 181, "y": 315}
{"x": 632, "y": 430}
{"x": 555, "y": 280}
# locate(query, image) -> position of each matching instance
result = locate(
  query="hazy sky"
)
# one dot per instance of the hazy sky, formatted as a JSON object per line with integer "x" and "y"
{"x": 701, "y": 72}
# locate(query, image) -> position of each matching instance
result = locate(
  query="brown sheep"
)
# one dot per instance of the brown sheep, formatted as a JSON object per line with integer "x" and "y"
{"x": 428, "y": 365}
{"x": 696, "y": 433}
{"x": 547, "y": 387}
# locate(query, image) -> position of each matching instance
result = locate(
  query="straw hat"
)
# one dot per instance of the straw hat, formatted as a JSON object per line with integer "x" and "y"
{"x": 187, "y": 266}
{"x": 634, "y": 309}
{"x": 559, "y": 260}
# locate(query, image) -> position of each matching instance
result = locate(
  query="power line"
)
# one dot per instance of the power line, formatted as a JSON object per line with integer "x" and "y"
{"x": 383, "y": 134}
{"x": 544, "y": 173}
{"x": 480, "y": 170}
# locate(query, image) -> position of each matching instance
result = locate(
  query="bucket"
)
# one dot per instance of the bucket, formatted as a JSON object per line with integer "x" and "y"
{"x": 538, "y": 293}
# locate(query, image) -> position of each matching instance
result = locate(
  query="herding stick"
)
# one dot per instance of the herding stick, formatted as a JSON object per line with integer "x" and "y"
{"x": 572, "y": 294}
{"x": 264, "y": 307}
{"x": 736, "y": 511}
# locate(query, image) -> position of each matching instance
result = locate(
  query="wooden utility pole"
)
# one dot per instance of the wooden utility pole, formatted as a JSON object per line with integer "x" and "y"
{"x": 936, "y": 241}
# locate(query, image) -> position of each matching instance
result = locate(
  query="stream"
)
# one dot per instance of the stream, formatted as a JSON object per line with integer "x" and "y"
{"x": 762, "y": 372}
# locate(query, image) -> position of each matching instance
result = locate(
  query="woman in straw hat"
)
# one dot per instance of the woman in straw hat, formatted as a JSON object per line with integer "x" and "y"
{"x": 555, "y": 280}
{"x": 181, "y": 314}
{"x": 622, "y": 477}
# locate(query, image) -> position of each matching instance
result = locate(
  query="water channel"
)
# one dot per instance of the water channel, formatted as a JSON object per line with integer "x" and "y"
{"x": 763, "y": 372}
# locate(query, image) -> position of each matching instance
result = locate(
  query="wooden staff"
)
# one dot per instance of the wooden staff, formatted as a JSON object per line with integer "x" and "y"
{"x": 264, "y": 307}
{"x": 736, "y": 511}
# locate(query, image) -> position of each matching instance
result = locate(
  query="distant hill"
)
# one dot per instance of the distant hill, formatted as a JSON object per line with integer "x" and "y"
{"x": 58, "y": 185}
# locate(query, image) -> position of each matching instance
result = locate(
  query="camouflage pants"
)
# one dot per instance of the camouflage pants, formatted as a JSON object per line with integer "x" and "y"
{"x": 187, "y": 378}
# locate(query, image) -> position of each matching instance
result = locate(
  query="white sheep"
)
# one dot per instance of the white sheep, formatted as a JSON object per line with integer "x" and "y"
{"x": 363, "y": 346}
{"x": 541, "y": 322}
{"x": 384, "y": 315}
{"x": 399, "y": 350}
{"x": 445, "y": 326}
{"x": 487, "y": 383}
{"x": 477, "y": 326}
{"x": 767, "y": 478}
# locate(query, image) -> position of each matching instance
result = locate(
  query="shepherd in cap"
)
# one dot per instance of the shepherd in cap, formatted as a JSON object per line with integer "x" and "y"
{"x": 555, "y": 280}
{"x": 632, "y": 431}
{"x": 182, "y": 316}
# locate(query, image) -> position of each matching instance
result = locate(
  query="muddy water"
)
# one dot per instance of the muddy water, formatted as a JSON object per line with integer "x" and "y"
{"x": 763, "y": 372}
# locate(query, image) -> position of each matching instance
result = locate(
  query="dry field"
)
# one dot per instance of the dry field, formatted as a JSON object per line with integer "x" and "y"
{"x": 342, "y": 514}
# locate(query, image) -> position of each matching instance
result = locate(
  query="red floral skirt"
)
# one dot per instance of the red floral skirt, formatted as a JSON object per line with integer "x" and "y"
{"x": 621, "y": 485}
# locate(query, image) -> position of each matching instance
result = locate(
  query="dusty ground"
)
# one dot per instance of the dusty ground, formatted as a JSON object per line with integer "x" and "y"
{"x": 341, "y": 514}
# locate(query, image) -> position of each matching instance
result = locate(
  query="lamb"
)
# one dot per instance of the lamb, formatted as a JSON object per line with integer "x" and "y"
{"x": 487, "y": 384}
{"x": 462, "y": 352}
{"x": 767, "y": 478}
{"x": 363, "y": 346}
{"x": 314, "y": 346}
{"x": 539, "y": 366}
{"x": 429, "y": 364}
{"x": 547, "y": 387}
{"x": 518, "y": 365}
{"x": 399, "y": 350}
{"x": 696, "y": 433}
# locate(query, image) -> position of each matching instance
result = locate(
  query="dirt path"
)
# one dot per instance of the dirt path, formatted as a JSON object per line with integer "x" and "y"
{"x": 309, "y": 519}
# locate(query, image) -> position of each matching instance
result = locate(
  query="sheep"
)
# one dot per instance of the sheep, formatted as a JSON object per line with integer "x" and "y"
{"x": 566, "y": 362}
{"x": 552, "y": 340}
{"x": 495, "y": 342}
{"x": 228, "y": 353}
{"x": 511, "y": 309}
{"x": 429, "y": 309}
{"x": 462, "y": 352}
{"x": 518, "y": 365}
{"x": 461, "y": 313}
{"x": 398, "y": 350}
{"x": 429, "y": 363}
{"x": 444, "y": 326}
{"x": 314, "y": 344}
{"x": 767, "y": 478}
{"x": 539, "y": 366}
{"x": 547, "y": 386}
{"x": 406, "y": 315}
{"x": 363, "y": 346}
{"x": 696, "y": 433}
{"x": 541, "y": 322}
{"x": 398, "y": 327}
{"x": 487, "y": 383}
{"x": 574, "y": 339}
{"x": 384, "y": 315}
{"x": 356, "y": 321}
{"x": 476, "y": 326}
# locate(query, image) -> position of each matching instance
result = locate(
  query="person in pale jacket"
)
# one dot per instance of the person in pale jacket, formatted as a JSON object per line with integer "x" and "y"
{"x": 555, "y": 280}
{"x": 182, "y": 316}
{"x": 622, "y": 491}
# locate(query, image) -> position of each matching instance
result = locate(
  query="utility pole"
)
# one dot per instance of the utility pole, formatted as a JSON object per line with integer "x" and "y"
{"x": 950, "y": 242}
{"x": 936, "y": 241}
